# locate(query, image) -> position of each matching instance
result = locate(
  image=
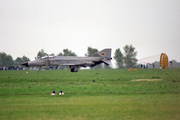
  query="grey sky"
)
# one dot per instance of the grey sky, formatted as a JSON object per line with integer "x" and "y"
{"x": 151, "y": 26}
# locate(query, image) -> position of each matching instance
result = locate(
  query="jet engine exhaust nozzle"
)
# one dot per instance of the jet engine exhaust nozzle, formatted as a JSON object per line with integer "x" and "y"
{"x": 25, "y": 64}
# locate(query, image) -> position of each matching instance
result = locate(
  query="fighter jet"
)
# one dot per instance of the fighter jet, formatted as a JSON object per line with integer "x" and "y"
{"x": 73, "y": 62}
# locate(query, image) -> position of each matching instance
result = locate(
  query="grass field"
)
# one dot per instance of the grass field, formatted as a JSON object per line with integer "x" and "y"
{"x": 152, "y": 94}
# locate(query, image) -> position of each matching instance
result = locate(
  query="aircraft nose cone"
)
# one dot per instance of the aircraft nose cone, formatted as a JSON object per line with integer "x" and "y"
{"x": 25, "y": 64}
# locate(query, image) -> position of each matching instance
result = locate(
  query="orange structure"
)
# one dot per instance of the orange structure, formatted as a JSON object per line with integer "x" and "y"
{"x": 163, "y": 60}
{"x": 132, "y": 69}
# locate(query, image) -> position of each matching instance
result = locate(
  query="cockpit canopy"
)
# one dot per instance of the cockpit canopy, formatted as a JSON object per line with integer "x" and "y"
{"x": 45, "y": 57}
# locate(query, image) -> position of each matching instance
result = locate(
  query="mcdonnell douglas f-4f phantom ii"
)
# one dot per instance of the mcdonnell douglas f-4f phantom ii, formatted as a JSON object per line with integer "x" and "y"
{"x": 73, "y": 62}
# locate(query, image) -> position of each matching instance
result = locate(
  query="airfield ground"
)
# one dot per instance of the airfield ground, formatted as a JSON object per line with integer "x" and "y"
{"x": 91, "y": 94}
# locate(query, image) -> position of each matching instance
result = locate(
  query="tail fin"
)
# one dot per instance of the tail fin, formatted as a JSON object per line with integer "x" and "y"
{"x": 106, "y": 53}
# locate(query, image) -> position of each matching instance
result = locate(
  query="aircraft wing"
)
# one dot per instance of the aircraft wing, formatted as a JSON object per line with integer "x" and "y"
{"x": 84, "y": 64}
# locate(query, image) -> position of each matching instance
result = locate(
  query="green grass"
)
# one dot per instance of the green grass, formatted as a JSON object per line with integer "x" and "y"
{"x": 90, "y": 94}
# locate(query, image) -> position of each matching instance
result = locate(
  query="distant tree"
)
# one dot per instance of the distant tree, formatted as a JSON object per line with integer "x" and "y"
{"x": 52, "y": 54}
{"x": 40, "y": 54}
{"x": 67, "y": 52}
{"x": 91, "y": 51}
{"x": 25, "y": 59}
{"x": 20, "y": 60}
{"x": 6, "y": 60}
{"x": 130, "y": 56}
{"x": 118, "y": 56}
{"x": 60, "y": 54}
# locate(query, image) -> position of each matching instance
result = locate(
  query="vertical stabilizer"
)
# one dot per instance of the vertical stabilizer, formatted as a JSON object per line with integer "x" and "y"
{"x": 106, "y": 53}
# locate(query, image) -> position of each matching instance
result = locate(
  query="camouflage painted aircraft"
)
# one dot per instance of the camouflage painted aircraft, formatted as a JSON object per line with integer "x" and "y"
{"x": 73, "y": 62}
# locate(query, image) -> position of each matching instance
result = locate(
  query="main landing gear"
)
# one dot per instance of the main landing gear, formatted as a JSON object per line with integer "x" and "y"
{"x": 39, "y": 71}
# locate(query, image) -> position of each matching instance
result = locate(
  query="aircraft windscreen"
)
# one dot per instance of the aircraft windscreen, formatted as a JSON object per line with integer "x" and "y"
{"x": 45, "y": 57}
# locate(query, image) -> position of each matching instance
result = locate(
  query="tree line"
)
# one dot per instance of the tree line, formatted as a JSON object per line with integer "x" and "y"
{"x": 127, "y": 59}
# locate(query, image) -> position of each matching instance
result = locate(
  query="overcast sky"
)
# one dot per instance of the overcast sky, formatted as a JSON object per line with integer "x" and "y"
{"x": 151, "y": 26}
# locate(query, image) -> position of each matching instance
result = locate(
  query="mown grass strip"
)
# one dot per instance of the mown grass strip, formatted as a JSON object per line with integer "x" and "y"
{"x": 90, "y": 94}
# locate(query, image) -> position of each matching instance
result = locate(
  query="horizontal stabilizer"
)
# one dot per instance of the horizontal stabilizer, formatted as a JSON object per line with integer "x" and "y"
{"x": 107, "y": 62}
